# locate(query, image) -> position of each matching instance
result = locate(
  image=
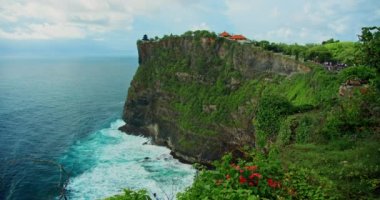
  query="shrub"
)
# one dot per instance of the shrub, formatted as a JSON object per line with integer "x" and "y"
{"x": 242, "y": 180}
{"x": 131, "y": 195}
{"x": 271, "y": 108}
{"x": 257, "y": 177}
{"x": 299, "y": 128}
{"x": 302, "y": 183}
{"x": 356, "y": 116}
{"x": 357, "y": 72}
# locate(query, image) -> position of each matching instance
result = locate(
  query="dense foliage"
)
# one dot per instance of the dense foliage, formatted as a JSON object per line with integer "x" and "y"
{"x": 257, "y": 177}
{"x": 328, "y": 145}
{"x": 270, "y": 110}
{"x": 131, "y": 195}
{"x": 370, "y": 40}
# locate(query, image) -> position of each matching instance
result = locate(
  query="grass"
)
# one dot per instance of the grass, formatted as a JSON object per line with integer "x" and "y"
{"x": 352, "y": 166}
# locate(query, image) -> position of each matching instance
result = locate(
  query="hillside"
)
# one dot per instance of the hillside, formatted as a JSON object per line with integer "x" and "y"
{"x": 204, "y": 96}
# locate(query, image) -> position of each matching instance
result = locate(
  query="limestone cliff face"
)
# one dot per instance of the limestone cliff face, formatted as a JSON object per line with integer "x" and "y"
{"x": 178, "y": 94}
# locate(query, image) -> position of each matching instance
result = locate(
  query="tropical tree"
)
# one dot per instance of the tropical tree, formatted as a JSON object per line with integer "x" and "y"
{"x": 370, "y": 45}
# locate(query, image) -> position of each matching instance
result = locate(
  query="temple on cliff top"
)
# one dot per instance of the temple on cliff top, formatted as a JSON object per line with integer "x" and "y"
{"x": 233, "y": 37}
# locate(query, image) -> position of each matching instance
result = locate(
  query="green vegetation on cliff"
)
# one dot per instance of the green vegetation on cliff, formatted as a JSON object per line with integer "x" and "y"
{"x": 307, "y": 132}
{"x": 131, "y": 195}
{"x": 219, "y": 86}
{"x": 327, "y": 145}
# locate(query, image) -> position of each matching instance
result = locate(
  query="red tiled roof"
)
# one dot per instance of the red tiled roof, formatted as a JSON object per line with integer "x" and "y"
{"x": 224, "y": 34}
{"x": 238, "y": 37}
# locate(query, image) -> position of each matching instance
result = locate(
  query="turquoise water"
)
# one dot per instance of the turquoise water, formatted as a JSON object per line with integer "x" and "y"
{"x": 67, "y": 111}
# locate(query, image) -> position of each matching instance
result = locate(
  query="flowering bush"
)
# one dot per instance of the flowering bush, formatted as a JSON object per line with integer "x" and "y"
{"x": 259, "y": 177}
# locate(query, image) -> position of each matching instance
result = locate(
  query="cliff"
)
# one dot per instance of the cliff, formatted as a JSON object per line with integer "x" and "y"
{"x": 315, "y": 130}
{"x": 198, "y": 94}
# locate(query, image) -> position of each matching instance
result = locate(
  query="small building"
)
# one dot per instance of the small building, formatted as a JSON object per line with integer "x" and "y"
{"x": 224, "y": 34}
{"x": 238, "y": 37}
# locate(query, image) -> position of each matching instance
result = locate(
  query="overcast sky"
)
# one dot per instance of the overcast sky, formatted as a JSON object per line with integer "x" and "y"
{"x": 96, "y": 27}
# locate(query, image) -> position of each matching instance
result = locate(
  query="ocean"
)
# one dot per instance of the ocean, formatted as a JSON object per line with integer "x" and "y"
{"x": 59, "y": 120}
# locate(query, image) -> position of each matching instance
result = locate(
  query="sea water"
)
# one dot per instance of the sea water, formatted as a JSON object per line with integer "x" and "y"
{"x": 59, "y": 120}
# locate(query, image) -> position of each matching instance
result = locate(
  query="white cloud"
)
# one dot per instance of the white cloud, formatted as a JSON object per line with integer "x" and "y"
{"x": 43, "y": 31}
{"x": 283, "y": 32}
{"x": 275, "y": 20}
{"x": 299, "y": 21}
{"x": 201, "y": 26}
{"x": 92, "y": 18}
{"x": 275, "y": 12}
{"x": 50, "y": 19}
{"x": 339, "y": 26}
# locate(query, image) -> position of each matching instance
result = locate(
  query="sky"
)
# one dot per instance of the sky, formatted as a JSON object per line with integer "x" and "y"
{"x": 111, "y": 27}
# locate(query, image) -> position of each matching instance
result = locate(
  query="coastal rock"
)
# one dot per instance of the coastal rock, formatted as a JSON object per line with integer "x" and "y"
{"x": 153, "y": 107}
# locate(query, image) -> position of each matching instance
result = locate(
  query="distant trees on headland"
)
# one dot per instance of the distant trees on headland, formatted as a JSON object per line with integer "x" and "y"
{"x": 364, "y": 52}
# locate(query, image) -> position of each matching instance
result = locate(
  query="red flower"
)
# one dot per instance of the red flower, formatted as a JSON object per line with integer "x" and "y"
{"x": 241, "y": 171}
{"x": 228, "y": 176}
{"x": 272, "y": 183}
{"x": 251, "y": 184}
{"x": 251, "y": 168}
{"x": 252, "y": 176}
{"x": 242, "y": 180}
{"x": 237, "y": 167}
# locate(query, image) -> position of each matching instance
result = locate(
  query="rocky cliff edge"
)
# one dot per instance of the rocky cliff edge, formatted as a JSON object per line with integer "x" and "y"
{"x": 189, "y": 93}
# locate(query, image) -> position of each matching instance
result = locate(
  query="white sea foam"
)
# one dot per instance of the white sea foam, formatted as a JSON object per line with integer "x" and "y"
{"x": 116, "y": 161}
